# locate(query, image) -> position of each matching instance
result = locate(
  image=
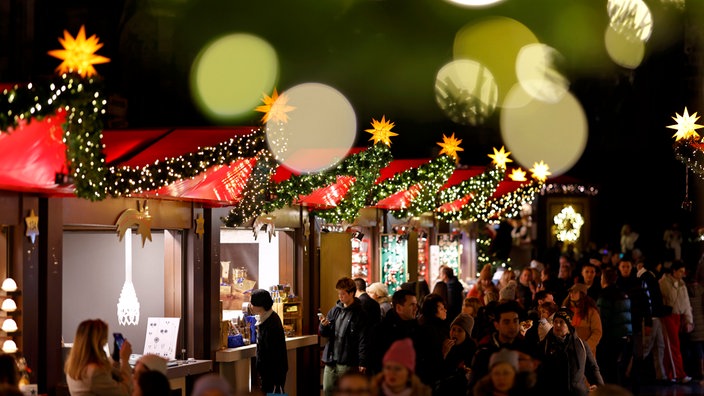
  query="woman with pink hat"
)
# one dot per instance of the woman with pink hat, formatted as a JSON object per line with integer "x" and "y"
{"x": 397, "y": 376}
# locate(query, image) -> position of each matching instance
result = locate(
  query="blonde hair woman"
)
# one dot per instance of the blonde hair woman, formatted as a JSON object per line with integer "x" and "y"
{"x": 380, "y": 294}
{"x": 89, "y": 370}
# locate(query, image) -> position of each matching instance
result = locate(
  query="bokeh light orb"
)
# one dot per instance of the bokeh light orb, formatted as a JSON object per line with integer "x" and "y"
{"x": 631, "y": 18}
{"x": 623, "y": 49}
{"x": 494, "y": 42}
{"x": 536, "y": 72}
{"x": 466, "y": 92}
{"x": 475, "y": 3}
{"x": 320, "y": 130}
{"x": 555, "y": 133}
{"x": 230, "y": 74}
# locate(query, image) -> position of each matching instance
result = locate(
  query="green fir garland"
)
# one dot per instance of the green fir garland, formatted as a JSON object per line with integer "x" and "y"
{"x": 482, "y": 187}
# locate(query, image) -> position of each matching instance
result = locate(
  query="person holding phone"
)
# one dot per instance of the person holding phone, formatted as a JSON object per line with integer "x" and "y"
{"x": 89, "y": 370}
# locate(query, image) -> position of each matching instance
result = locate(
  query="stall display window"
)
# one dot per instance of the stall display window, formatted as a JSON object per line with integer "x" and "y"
{"x": 423, "y": 257}
{"x": 361, "y": 260}
{"x": 449, "y": 251}
{"x": 394, "y": 260}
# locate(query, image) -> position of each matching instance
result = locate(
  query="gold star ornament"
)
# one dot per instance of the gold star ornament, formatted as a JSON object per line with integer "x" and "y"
{"x": 540, "y": 171}
{"x": 500, "y": 158}
{"x": 686, "y": 126}
{"x": 78, "y": 54}
{"x": 275, "y": 108}
{"x": 518, "y": 175}
{"x": 450, "y": 146}
{"x": 381, "y": 131}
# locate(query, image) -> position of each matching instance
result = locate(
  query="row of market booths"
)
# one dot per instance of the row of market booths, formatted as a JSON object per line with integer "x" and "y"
{"x": 74, "y": 258}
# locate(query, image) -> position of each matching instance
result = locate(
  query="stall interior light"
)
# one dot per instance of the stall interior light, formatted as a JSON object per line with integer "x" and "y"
{"x": 9, "y": 325}
{"x": 9, "y": 346}
{"x": 9, "y": 285}
{"x": 9, "y": 305}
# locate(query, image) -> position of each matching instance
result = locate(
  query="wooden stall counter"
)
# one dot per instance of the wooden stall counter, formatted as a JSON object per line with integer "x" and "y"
{"x": 177, "y": 374}
{"x": 235, "y": 363}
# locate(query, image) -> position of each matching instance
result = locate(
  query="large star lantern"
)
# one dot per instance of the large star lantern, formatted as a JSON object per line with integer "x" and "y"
{"x": 275, "y": 108}
{"x": 518, "y": 175}
{"x": 540, "y": 171}
{"x": 686, "y": 126}
{"x": 78, "y": 54}
{"x": 450, "y": 146}
{"x": 381, "y": 131}
{"x": 500, "y": 158}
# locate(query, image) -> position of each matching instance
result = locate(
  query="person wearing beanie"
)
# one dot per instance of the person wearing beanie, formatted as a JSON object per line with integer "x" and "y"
{"x": 502, "y": 377}
{"x": 398, "y": 376}
{"x": 567, "y": 361}
{"x": 271, "y": 356}
{"x": 458, "y": 352}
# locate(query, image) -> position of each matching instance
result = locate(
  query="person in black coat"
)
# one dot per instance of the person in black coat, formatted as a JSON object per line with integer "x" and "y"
{"x": 272, "y": 359}
{"x": 370, "y": 306}
{"x": 566, "y": 360}
{"x": 455, "y": 291}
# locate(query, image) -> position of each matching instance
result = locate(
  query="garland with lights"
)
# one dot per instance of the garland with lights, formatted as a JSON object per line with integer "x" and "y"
{"x": 509, "y": 205}
{"x": 255, "y": 193}
{"x": 480, "y": 188}
{"x": 81, "y": 99}
{"x": 127, "y": 180}
{"x": 364, "y": 166}
{"x": 688, "y": 145}
{"x": 425, "y": 181}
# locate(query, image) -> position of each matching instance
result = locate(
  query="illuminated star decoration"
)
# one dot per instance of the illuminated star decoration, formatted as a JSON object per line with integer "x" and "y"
{"x": 78, "y": 54}
{"x": 200, "y": 222}
{"x": 381, "y": 131}
{"x": 686, "y": 126}
{"x": 32, "y": 222}
{"x": 450, "y": 146}
{"x": 275, "y": 108}
{"x": 139, "y": 217}
{"x": 500, "y": 158}
{"x": 518, "y": 175}
{"x": 540, "y": 171}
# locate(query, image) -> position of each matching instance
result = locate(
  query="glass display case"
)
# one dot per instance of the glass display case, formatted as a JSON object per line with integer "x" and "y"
{"x": 361, "y": 257}
{"x": 449, "y": 251}
{"x": 423, "y": 256}
{"x": 394, "y": 260}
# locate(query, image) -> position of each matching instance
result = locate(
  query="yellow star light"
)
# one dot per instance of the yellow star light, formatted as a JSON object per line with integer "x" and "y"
{"x": 275, "y": 107}
{"x": 540, "y": 171}
{"x": 686, "y": 127}
{"x": 381, "y": 131}
{"x": 518, "y": 175}
{"x": 450, "y": 146}
{"x": 500, "y": 158}
{"x": 78, "y": 54}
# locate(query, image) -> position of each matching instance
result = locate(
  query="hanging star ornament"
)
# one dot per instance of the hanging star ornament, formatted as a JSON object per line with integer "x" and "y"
{"x": 540, "y": 171}
{"x": 686, "y": 126}
{"x": 275, "y": 108}
{"x": 500, "y": 158}
{"x": 139, "y": 217}
{"x": 450, "y": 146}
{"x": 78, "y": 54}
{"x": 518, "y": 175}
{"x": 32, "y": 222}
{"x": 381, "y": 131}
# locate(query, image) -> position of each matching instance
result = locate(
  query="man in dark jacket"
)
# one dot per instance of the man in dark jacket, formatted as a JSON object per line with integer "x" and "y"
{"x": 272, "y": 359}
{"x": 455, "y": 292}
{"x": 346, "y": 327}
{"x": 654, "y": 341}
{"x": 566, "y": 360}
{"x": 370, "y": 306}
{"x": 399, "y": 323}
{"x": 506, "y": 335}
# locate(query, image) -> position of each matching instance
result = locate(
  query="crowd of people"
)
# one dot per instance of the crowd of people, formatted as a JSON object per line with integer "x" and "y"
{"x": 615, "y": 320}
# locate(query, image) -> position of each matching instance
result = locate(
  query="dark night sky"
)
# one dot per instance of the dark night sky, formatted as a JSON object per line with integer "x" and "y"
{"x": 359, "y": 46}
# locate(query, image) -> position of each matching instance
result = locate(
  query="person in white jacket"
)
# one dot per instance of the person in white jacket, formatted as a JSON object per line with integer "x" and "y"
{"x": 674, "y": 294}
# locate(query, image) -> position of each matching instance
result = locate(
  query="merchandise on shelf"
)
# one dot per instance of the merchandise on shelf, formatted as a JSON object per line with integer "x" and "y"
{"x": 394, "y": 260}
